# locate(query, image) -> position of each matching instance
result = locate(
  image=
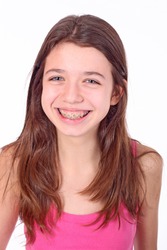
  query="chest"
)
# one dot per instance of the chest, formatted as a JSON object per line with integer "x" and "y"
{"x": 76, "y": 203}
{"x": 73, "y": 200}
{"x": 71, "y": 232}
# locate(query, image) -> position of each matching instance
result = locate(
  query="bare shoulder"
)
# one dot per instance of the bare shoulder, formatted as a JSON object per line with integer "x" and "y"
{"x": 9, "y": 196}
{"x": 8, "y": 169}
{"x": 151, "y": 164}
{"x": 150, "y": 160}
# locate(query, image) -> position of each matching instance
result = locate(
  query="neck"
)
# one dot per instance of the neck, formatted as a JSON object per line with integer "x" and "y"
{"x": 78, "y": 152}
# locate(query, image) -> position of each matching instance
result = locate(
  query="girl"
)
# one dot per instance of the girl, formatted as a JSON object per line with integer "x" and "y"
{"x": 74, "y": 176}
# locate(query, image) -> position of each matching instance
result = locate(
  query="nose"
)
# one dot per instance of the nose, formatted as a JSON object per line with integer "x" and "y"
{"x": 72, "y": 93}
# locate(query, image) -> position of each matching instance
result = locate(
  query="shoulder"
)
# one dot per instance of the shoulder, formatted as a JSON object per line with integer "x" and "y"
{"x": 5, "y": 159}
{"x": 8, "y": 169}
{"x": 151, "y": 165}
{"x": 9, "y": 196}
{"x": 150, "y": 160}
{"x": 9, "y": 184}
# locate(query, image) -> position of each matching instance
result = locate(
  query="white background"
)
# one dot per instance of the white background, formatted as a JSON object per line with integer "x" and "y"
{"x": 142, "y": 26}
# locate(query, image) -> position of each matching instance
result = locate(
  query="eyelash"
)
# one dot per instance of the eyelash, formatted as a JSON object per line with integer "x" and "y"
{"x": 91, "y": 81}
{"x": 56, "y": 78}
{"x": 60, "y": 78}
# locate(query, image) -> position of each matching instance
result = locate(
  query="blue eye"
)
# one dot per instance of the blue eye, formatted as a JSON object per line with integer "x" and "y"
{"x": 56, "y": 78}
{"x": 92, "y": 81}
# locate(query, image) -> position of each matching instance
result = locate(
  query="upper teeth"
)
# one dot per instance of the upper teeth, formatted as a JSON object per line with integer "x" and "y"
{"x": 73, "y": 115}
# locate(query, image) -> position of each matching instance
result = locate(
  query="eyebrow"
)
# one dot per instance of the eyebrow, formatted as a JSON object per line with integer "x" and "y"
{"x": 55, "y": 70}
{"x": 88, "y": 73}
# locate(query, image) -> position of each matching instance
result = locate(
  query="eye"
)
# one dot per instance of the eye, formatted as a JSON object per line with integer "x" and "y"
{"x": 91, "y": 81}
{"x": 56, "y": 78}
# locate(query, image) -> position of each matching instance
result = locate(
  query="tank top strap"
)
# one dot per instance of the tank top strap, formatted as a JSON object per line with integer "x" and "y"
{"x": 134, "y": 147}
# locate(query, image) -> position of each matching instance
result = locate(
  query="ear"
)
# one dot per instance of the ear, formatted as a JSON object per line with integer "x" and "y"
{"x": 116, "y": 95}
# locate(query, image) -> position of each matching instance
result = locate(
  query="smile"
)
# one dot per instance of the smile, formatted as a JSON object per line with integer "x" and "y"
{"x": 72, "y": 115}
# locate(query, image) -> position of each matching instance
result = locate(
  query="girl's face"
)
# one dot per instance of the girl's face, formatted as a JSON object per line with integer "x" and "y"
{"x": 77, "y": 89}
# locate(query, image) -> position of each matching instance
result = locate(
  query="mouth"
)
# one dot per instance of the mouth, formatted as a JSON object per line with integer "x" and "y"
{"x": 73, "y": 115}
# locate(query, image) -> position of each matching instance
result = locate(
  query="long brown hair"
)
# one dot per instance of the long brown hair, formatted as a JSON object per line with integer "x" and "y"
{"x": 118, "y": 178}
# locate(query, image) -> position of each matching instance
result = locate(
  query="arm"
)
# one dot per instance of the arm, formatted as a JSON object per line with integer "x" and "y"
{"x": 147, "y": 227}
{"x": 8, "y": 201}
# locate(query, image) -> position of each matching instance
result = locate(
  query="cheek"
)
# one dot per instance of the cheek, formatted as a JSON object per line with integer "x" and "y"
{"x": 101, "y": 104}
{"x": 43, "y": 102}
{"x": 104, "y": 100}
{"x": 47, "y": 97}
{"x": 46, "y": 101}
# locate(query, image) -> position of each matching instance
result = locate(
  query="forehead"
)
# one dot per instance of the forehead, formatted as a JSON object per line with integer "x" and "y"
{"x": 69, "y": 54}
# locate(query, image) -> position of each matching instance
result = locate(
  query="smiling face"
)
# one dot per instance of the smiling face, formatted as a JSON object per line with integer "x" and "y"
{"x": 77, "y": 89}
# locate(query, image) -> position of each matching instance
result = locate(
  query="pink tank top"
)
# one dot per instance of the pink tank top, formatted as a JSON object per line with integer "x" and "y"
{"x": 71, "y": 233}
